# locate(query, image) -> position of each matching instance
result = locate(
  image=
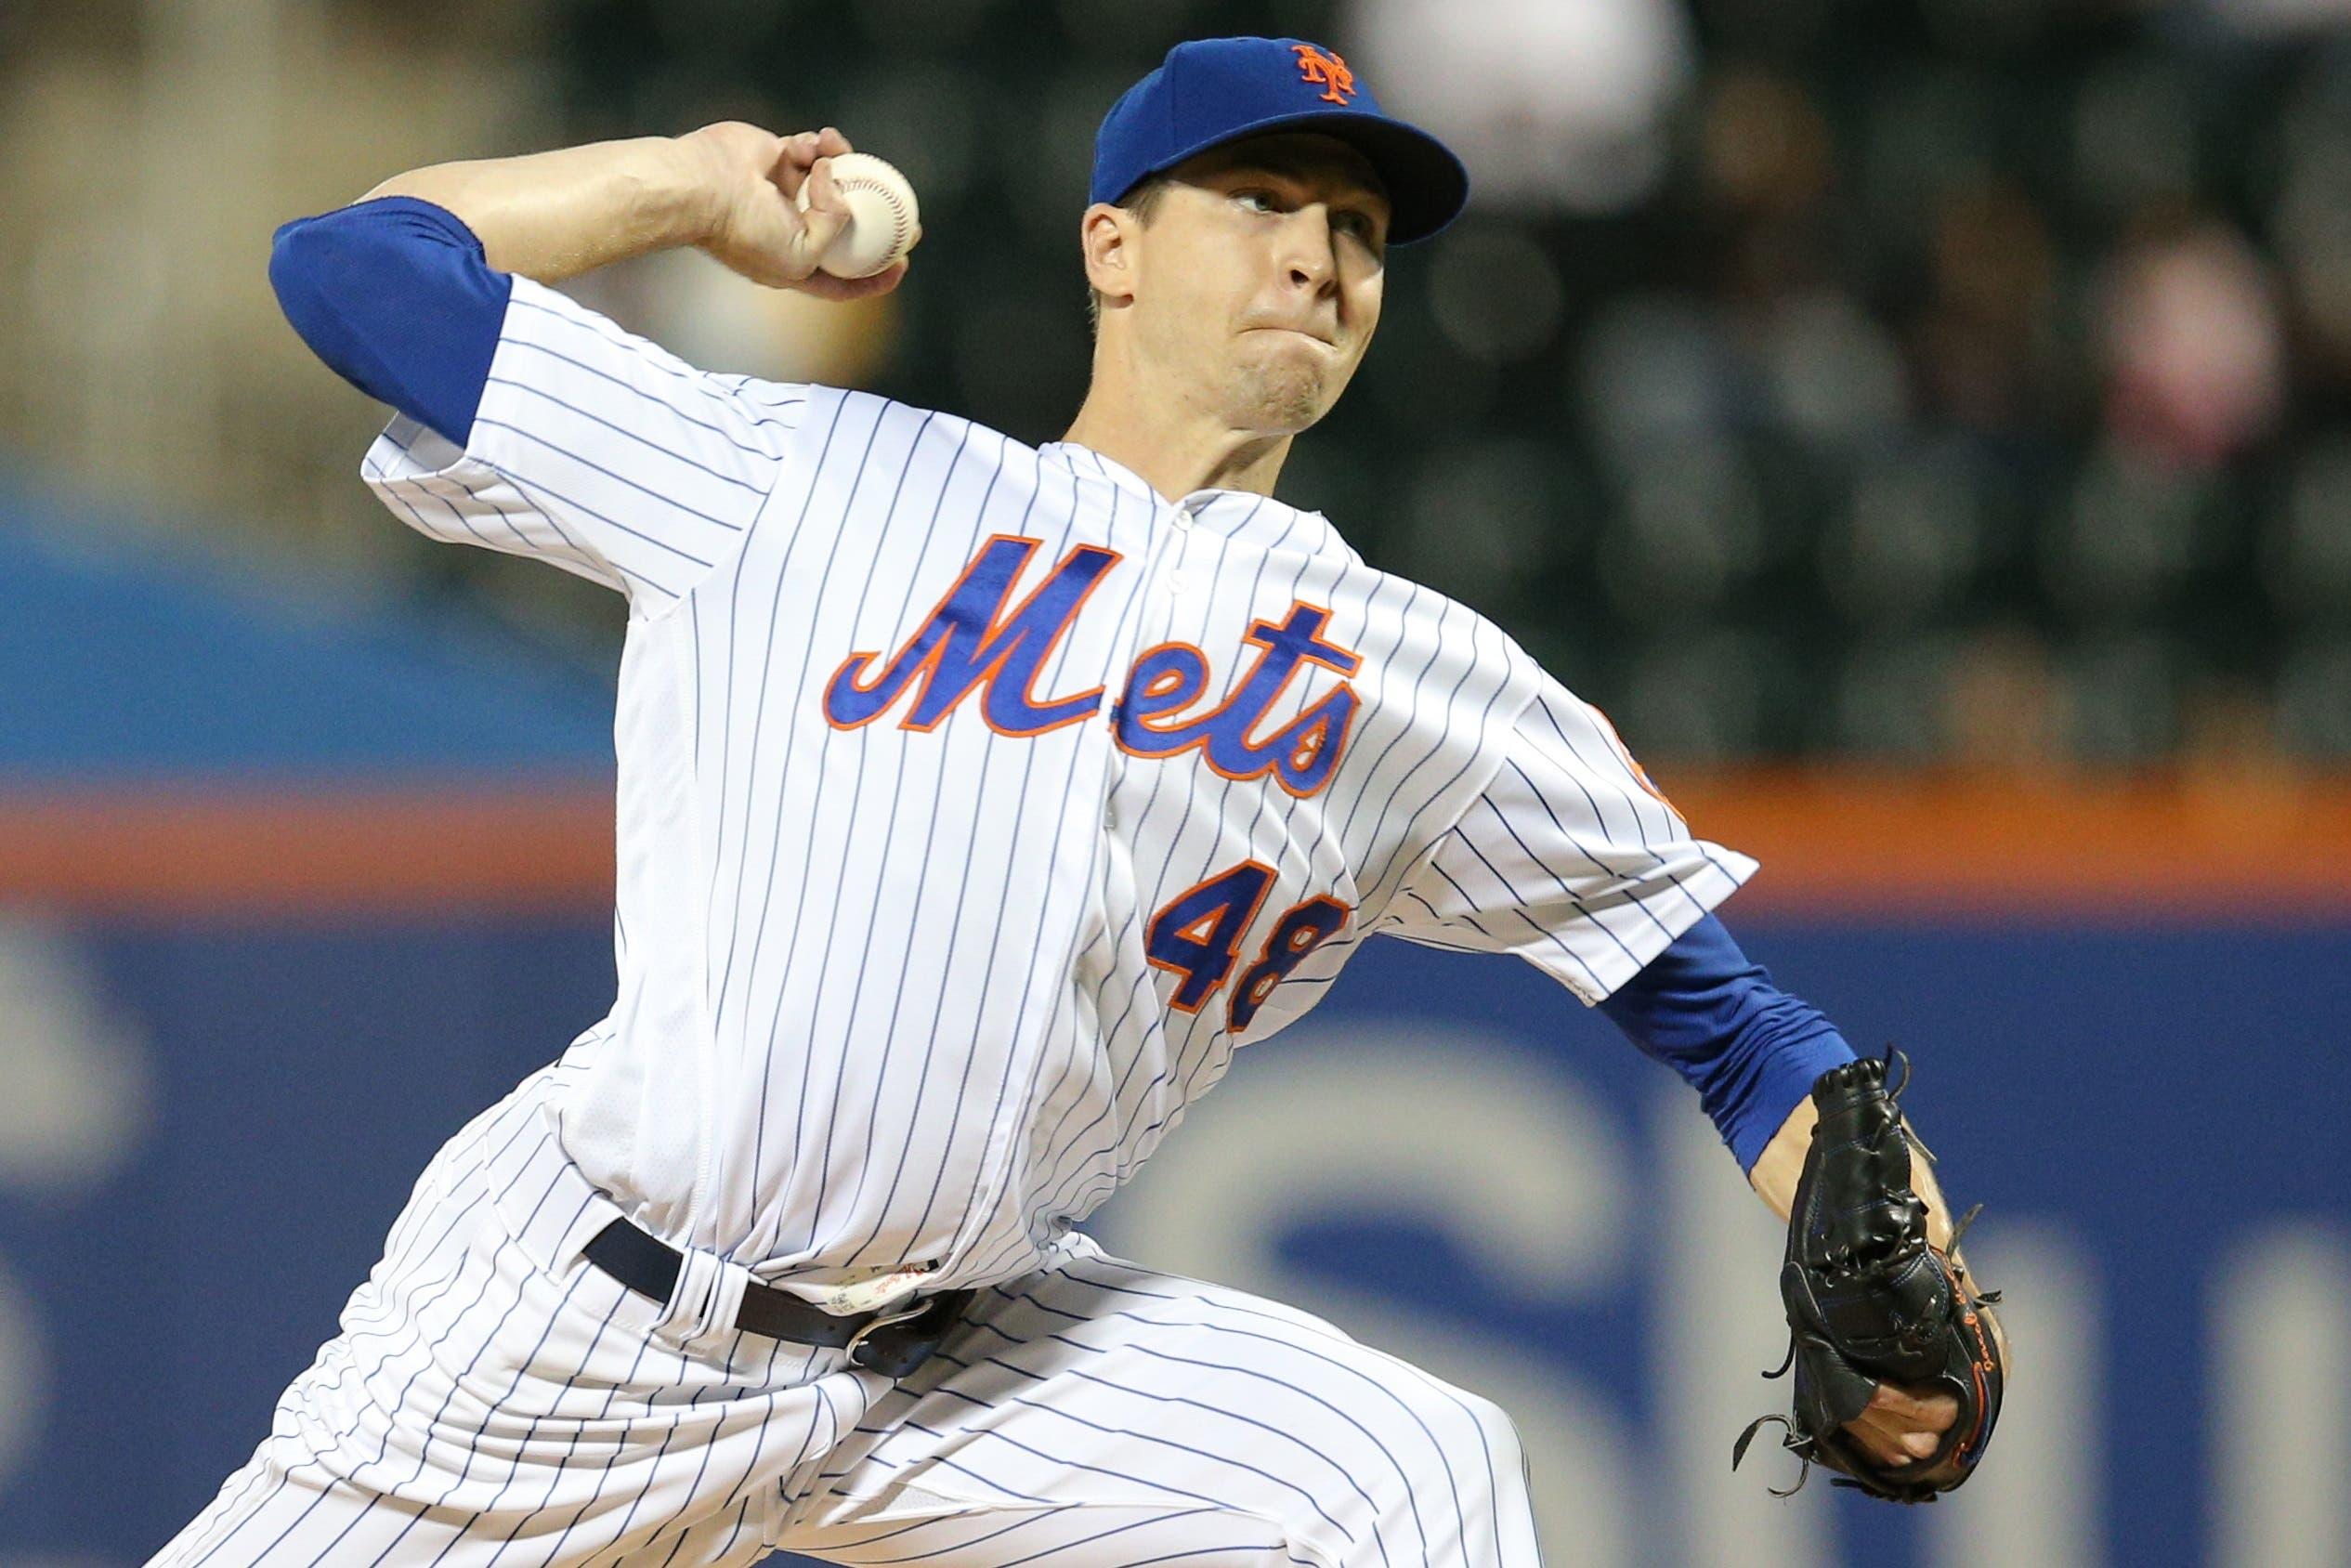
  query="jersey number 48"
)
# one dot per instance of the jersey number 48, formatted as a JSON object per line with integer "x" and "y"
{"x": 1197, "y": 934}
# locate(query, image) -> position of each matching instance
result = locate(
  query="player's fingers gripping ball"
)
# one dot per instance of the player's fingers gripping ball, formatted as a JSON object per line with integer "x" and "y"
{"x": 880, "y": 221}
{"x": 1870, "y": 1301}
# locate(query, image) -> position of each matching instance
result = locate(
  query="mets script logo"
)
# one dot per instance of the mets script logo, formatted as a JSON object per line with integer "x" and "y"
{"x": 1324, "y": 70}
{"x": 976, "y": 639}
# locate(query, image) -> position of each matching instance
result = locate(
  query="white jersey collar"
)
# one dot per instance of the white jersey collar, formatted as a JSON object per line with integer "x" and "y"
{"x": 1242, "y": 515}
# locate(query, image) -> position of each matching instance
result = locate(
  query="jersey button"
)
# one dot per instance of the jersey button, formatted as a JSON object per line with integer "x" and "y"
{"x": 1178, "y": 582}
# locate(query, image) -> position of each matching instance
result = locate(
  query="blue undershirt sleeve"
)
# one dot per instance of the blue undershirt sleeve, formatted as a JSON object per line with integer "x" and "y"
{"x": 397, "y": 297}
{"x": 1750, "y": 1050}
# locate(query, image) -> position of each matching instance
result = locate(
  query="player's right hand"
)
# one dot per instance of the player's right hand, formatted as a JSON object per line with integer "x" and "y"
{"x": 756, "y": 228}
{"x": 1901, "y": 1426}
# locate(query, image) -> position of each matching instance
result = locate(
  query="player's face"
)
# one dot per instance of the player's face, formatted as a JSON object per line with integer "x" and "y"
{"x": 1259, "y": 278}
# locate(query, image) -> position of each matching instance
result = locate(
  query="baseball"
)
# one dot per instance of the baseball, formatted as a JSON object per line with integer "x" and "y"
{"x": 883, "y": 219}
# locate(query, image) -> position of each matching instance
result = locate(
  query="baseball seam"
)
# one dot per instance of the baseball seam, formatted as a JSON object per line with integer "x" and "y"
{"x": 898, "y": 223}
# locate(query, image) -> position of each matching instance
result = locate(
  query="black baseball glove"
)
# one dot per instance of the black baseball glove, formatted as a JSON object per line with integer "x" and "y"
{"x": 1870, "y": 1301}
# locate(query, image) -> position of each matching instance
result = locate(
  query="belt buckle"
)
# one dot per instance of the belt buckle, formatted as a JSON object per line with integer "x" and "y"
{"x": 894, "y": 1360}
{"x": 916, "y": 1333}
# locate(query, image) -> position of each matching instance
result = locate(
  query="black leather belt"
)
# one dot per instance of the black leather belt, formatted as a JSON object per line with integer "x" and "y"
{"x": 893, "y": 1341}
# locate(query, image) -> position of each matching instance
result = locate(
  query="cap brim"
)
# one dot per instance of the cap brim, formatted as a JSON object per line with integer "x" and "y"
{"x": 1426, "y": 184}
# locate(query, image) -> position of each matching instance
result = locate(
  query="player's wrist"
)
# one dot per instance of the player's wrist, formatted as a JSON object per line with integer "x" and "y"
{"x": 629, "y": 198}
{"x": 704, "y": 178}
{"x": 659, "y": 198}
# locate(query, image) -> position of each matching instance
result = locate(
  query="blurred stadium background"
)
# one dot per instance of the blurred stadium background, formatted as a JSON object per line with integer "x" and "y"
{"x": 1924, "y": 426}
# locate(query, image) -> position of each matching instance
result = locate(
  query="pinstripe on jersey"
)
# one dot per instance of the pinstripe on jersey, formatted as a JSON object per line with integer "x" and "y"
{"x": 493, "y": 1401}
{"x": 899, "y": 799}
{"x": 1570, "y": 859}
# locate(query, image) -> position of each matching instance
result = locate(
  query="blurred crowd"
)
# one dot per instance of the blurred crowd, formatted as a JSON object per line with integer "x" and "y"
{"x": 1945, "y": 381}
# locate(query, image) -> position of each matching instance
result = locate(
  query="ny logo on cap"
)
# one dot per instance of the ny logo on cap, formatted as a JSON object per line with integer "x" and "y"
{"x": 1326, "y": 72}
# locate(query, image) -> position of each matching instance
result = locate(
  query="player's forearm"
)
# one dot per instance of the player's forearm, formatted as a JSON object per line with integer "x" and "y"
{"x": 1749, "y": 1049}
{"x": 553, "y": 216}
{"x": 1776, "y": 1170}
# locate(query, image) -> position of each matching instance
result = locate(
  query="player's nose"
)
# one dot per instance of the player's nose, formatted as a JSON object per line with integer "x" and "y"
{"x": 1310, "y": 258}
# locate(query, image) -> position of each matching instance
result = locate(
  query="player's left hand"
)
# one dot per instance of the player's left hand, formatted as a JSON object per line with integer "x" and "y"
{"x": 753, "y": 178}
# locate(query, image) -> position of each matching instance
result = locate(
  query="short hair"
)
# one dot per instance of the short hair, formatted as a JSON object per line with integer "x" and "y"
{"x": 1143, "y": 200}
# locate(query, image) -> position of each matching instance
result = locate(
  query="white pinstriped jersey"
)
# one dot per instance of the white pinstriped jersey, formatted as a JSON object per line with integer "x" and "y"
{"x": 975, "y": 802}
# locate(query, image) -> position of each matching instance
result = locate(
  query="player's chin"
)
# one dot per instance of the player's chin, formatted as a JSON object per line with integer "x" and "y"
{"x": 1283, "y": 391}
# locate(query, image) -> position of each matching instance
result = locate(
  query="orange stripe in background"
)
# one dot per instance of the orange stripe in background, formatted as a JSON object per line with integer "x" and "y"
{"x": 213, "y": 852}
{"x": 1901, "y": 845}
{"x": 2031, "y": 848}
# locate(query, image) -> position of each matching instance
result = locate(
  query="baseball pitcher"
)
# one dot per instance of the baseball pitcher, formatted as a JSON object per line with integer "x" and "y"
{"x": 976, "y": 803}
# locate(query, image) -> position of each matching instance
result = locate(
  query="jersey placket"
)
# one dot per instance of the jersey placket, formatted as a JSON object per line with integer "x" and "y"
{"x": 1161, "y": 541}
{"x": 1165, "y": 586}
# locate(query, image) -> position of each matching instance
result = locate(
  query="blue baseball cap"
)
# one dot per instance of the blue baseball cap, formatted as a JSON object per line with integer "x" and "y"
{"x": 1217, "y": 90}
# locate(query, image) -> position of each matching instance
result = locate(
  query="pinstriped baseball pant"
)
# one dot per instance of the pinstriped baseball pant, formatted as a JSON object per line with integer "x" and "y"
{"x": 494, "y": 1399}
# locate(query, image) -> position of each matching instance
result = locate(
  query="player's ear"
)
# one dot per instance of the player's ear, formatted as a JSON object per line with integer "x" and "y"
{"x": 1106, "y": 235}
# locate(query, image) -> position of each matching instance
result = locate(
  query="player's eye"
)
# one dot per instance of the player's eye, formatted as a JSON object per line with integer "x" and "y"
{"x": 1257, "y": 200}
